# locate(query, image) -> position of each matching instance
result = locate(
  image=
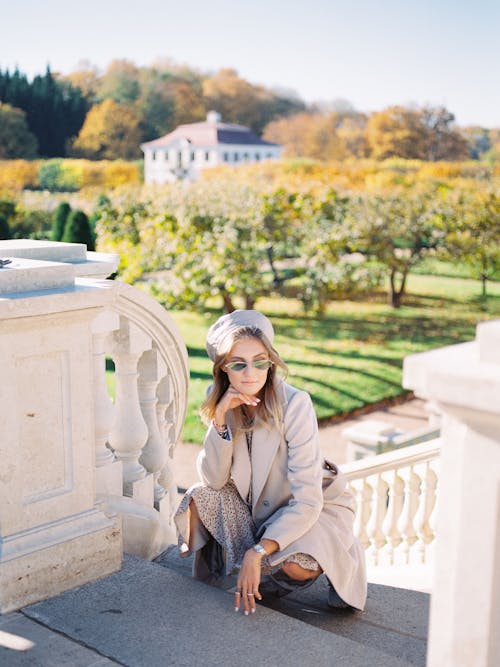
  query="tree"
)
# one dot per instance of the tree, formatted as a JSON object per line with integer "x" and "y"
{"x": 16, "y": 140}
{"x": 54, "y": 109}
{"x": 59, "y": 220}
{"x": 396, "y": 231}
{"x": 322, "y": 136}
{"x": 473, "y": 233}
{"x": 239, "y": 101}
{"x": 4, "y": 229}
{"x": 120, "y": 83}
{"x": 77, "y": 230}
{"x": 110, "y": 131}
{"x": 423, "y": 134}
{"x": 85, "y": 78}
{"x": 443, "y": 141}
{"x": 396, "y": 131}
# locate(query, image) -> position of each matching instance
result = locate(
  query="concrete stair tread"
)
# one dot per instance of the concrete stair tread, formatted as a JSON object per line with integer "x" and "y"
{"x": 395, "y": 620}
{"x": 148, "y": 615}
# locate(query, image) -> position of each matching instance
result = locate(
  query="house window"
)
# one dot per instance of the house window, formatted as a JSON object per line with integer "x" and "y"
{"x": 225, "y": 157}
{"x": 269, "y": 156}
{"x": 257, "y": 157}
{"x": 245, "y": 156}
{"x": 207, "y": 156}
{"x": 192, "y": 156}
{"x": 236, "y": 156}
{"x": 153, "y": 156}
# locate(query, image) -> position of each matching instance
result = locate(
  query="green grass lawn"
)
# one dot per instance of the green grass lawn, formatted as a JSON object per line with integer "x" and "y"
{"x": 352, "y": 356}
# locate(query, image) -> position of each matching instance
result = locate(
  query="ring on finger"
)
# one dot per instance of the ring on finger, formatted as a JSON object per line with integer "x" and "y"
{"x": 250, "y": 595}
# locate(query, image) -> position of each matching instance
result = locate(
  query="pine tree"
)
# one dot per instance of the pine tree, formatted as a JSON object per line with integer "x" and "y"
{"x": 59, "y": 220}
{"x": 4, "y": 229}
{"x": 77, "y": 230}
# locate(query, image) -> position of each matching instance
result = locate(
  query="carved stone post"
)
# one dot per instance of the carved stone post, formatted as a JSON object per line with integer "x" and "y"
{"x": 53, "y": 534}
{"x": 129, "y": 431}
{"x": 155, "y": 451}
{"x": 464, "y": 380}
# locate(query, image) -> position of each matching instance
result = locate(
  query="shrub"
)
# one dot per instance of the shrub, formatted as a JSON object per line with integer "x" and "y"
{"x": 59, "y": 220}
{"x": 4, "y": 228}
{"x": 17, "y": 175}
{"x": 55, "y": 177}
{"x": 77, "y": 230}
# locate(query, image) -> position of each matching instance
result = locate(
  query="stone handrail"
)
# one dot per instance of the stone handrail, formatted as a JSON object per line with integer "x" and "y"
{"x": 396, "y": 496}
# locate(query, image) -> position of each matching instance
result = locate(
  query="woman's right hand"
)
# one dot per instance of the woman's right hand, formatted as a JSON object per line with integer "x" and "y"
{"x": 232, "y": 399}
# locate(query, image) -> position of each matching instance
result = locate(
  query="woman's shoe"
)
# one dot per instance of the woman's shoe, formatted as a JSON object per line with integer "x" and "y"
{"x": 334, "y": 599}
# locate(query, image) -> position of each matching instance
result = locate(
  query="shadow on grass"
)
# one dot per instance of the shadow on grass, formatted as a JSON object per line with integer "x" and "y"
{"x": 347, "y": 369}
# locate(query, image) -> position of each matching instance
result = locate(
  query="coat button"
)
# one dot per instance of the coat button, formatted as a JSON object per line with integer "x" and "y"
{"x": 265, "y": 503}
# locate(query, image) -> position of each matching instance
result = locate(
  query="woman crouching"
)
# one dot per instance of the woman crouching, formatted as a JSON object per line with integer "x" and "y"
{"x": 268, "y": 503}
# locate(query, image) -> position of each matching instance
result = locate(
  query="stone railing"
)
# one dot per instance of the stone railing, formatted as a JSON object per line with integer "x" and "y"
{"x": 83, "y": 478}
{"x": 136, "y": 435}
{"x": 396, "y": 497}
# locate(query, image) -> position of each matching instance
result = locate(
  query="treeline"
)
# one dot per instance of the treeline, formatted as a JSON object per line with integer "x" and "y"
{"x": 38, "y": 117}
{"x": 427, "y": 133}
{"x": 106, "y": 115}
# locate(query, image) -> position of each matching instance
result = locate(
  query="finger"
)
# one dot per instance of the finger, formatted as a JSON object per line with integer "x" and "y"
{"x": 251, "y": 602}
{"x": 237, "y": 600}
{"x": 246, "y": 602}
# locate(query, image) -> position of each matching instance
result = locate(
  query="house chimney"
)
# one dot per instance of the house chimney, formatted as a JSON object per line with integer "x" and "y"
{"x": 213, "y": 117}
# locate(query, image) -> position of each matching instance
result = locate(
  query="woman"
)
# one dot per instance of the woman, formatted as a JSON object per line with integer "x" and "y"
{"x": 268, "y": 503}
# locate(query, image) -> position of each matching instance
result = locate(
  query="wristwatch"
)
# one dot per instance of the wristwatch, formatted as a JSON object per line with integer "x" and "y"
{"x": 260, "y": 550}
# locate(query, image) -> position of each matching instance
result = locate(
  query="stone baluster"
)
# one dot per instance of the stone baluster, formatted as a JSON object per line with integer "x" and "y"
{"x": 375, "y": 525}
{"x": 166, "y": 419}
{"x": 406, "y": 523}
{"x": 155, "y": 451}
{"x": 394, "y": 508}
{"x": 363, "y": 494}
{"x": 129, "y": 431}
{"x": 109, "y": 473}
{"x": 428, "y": 494}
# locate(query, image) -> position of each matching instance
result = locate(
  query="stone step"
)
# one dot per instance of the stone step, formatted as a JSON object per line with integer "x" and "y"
{"x": 395, "y": 620}
{"x": 147, "y": 615}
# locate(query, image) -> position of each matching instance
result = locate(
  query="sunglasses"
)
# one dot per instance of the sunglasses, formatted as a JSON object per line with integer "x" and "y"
{"x": 260, "y": 365}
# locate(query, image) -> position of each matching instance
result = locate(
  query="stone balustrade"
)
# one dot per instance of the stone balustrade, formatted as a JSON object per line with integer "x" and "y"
{"x": 145, "y": 422}
{"x": 83, "y": 478}
{"x": 396, "y": 497}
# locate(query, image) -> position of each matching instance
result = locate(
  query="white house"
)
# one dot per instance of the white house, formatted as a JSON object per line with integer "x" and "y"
{"x": 183, "y": 153}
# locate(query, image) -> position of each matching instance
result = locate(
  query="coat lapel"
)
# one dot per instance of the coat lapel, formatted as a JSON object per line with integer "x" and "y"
{"x": 265, "y": 444}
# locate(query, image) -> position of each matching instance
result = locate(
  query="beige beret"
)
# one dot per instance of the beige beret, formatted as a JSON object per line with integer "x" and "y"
{"x": 230, "y": 323}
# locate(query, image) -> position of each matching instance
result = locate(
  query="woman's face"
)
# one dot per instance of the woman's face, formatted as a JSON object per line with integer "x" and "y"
{"x": 250, "y": 380}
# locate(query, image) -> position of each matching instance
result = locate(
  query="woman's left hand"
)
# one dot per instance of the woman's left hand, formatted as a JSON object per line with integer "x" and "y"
{"x": 247, "y": 589}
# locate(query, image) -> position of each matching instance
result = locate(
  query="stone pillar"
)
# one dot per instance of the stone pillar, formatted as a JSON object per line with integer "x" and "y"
{"x": 53, "y": 535}
{"x": 464, "y": 381}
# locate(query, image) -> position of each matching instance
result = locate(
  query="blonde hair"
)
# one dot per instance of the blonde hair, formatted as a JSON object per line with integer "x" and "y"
{"x": 270, "y": 406}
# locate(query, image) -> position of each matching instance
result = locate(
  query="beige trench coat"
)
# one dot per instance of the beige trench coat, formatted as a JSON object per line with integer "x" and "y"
{"x": 296, "y": 502}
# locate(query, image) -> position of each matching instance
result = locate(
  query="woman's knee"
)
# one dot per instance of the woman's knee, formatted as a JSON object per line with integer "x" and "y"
{"x": 295, "y": 571}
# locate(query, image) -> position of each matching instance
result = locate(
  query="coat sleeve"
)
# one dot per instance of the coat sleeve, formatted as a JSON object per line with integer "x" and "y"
{"x": 214, "y": 460}
{"x": 304, "y": 474}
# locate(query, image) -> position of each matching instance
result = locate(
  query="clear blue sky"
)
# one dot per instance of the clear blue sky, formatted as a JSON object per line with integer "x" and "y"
{"x": 373, "y": 53}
